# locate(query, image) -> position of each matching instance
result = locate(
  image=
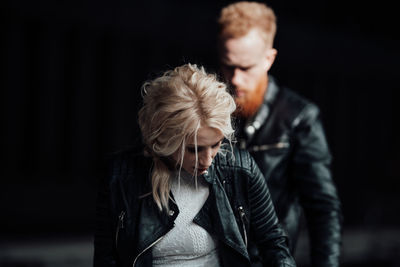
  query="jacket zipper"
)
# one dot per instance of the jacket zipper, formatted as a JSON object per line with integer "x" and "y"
{"x": 242, "y": 215}
{"x": 119, "y": 226}
{"x": 148, "y": 247}
{"x": 224, "y": 184}
{"x": 268, "y": 147}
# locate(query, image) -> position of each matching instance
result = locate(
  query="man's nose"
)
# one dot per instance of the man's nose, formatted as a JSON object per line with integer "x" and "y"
{"x": 237, "y": 78}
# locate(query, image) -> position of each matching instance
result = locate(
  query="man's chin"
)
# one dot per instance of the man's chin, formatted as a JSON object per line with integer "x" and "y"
{"x": 245, "y": 108}
{"x": 241, "y": 100}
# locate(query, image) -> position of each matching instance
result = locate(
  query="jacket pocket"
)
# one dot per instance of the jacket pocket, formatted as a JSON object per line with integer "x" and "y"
{"x": 120, "y": 225}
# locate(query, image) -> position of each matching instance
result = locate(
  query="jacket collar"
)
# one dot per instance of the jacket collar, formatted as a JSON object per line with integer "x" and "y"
{"x": 272, "y": 90}
{"x": 254, "y": 123}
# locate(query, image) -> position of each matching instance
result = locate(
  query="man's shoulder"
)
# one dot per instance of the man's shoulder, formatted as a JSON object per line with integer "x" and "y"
{"x": 293, "y": 106}
{"x": 293, "y": 100}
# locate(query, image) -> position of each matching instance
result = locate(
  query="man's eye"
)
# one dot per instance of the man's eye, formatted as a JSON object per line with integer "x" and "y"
{"x": 228, "y": 67}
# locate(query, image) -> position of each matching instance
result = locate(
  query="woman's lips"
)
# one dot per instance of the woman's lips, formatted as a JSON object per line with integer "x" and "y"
{"x": 201, "y": 170}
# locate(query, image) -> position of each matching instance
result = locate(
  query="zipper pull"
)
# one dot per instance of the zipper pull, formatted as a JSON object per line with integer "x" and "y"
{"x": 119, "y": 226}
{"x": 121, "y": 220}
{"x": 241, "y": 211}
{"x": 224, "y": 184}
{"x": 242, "y": 218}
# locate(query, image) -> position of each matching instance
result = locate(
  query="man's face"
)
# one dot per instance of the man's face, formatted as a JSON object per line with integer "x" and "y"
{"x": 245, "y": 62}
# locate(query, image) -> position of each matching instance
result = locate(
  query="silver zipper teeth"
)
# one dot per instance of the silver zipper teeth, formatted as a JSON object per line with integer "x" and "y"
{"x": 119, "y": 226}
{"x": 267, "y": 147}
{"x": 144, "y": 250}
{"x": 242, "y": 214}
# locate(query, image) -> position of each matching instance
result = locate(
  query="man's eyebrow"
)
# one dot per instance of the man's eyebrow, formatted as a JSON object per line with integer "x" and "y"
{"x": 231, "y": 65}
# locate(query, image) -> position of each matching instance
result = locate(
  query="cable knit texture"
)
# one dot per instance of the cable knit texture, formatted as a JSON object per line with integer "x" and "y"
{"x": 187, "y": 244}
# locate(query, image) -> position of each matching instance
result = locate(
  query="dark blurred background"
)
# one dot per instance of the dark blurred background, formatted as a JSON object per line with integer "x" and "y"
{"x": 70, "y": 90}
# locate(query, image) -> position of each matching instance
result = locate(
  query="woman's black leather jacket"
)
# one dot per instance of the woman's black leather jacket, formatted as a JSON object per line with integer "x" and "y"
{"x": 239, "y": 205}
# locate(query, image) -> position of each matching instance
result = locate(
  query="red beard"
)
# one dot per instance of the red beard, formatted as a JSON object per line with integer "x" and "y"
{"x": 248, "y": 105}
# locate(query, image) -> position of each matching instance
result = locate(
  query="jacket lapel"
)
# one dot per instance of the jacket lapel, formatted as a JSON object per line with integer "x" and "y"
{"x": 217, "y": 216}
{"x": 153, "y": 223}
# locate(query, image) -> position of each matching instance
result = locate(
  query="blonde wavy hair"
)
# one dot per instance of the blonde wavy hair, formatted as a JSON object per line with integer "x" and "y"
{"x": 175, "y": 106}
{"x": 237, "y": 19}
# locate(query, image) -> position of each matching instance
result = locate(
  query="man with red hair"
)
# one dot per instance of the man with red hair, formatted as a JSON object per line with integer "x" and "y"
{"x": 282, "y": 131}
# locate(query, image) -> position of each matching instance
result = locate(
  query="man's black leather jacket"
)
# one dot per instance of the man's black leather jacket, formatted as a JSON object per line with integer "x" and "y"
{"x": 239, "y": 206}
{"x": 288, "y": 143}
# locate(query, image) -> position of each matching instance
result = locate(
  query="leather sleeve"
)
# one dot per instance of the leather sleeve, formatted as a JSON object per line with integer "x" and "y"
{"x": 269, "y": 236}
{"x": 316, "y": 189}
{"x": 104, "y": 252}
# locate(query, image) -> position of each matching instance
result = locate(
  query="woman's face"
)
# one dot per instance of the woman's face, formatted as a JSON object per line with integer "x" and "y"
{"x": 208, "y": 143}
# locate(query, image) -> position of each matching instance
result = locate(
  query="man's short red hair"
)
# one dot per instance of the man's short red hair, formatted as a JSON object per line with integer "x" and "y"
{"x": 237, "y": 19}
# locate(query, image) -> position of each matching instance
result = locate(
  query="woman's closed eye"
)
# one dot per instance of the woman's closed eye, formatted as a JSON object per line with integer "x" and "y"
{"x": 216, "y": 145}
{"x": 192, "y": 149}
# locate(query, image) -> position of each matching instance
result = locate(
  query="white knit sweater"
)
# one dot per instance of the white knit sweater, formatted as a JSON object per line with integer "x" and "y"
{"x": 187, "y": 244}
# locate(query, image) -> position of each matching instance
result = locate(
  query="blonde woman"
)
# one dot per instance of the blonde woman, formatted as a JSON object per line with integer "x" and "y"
{"x": 188, "y": 198}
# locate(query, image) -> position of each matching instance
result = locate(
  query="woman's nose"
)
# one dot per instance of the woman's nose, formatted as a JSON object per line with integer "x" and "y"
{"x": 206, "y": 158}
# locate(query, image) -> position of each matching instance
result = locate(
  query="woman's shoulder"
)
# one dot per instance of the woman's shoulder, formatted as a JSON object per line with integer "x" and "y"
{"x": 127, "y": 160}
{"x": 235, "y": 158}
{"x": 239, "y": 166}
